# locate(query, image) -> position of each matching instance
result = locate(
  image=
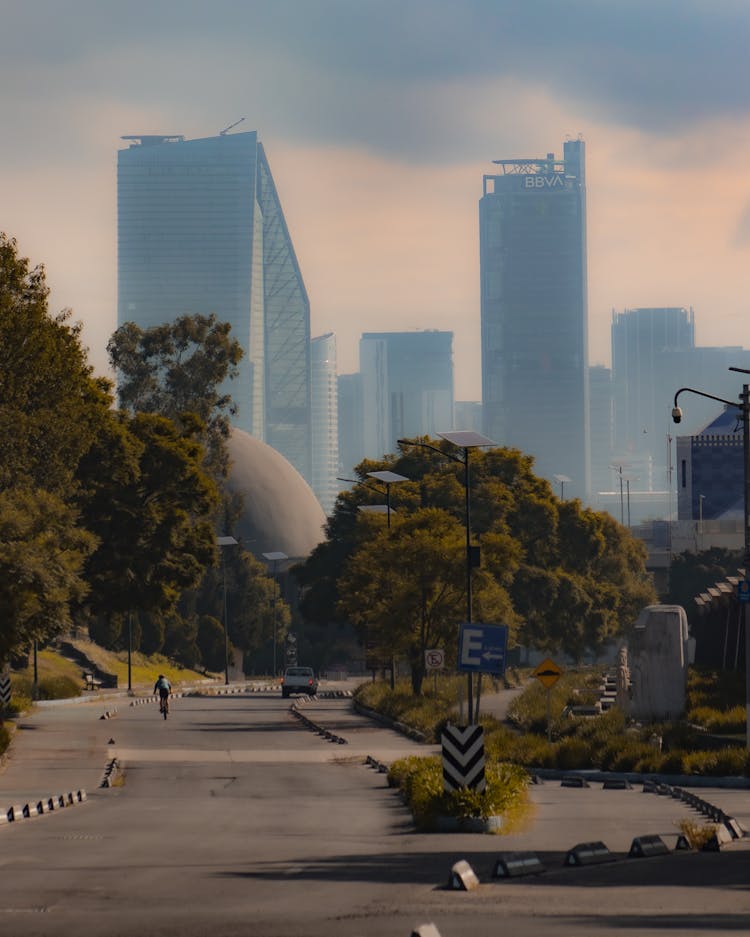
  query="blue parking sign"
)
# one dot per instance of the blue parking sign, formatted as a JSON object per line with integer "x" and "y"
{"x": 482, "y": 648}
{"x": 743, "y": 590}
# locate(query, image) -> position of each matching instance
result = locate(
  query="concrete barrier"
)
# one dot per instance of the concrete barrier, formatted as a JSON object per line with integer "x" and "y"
{"x": 517, "y": 864}
{"x": 462, "y": 877}
{"x": 588, "y": 854}
{"x": 644, "y": 846}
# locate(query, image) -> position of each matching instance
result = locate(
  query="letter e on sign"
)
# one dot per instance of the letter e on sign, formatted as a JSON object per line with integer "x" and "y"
{"x": 434, "y": 659}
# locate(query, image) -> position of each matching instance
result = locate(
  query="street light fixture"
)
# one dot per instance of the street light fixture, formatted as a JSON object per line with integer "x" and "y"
{"x": 388, "y": 479}
{"x": 274, "y": 558}
{"x": 744, "y": 409}
{"x": 561, "y": 479}
{"x": 466, "y": 440}
{"x": 225, "y": 542}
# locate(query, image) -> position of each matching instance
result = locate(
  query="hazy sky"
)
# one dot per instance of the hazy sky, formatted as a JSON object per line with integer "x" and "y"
{"x": 379, "y": 118}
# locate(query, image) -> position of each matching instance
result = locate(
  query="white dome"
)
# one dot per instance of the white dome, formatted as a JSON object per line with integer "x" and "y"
{"x": 281, "y": 514}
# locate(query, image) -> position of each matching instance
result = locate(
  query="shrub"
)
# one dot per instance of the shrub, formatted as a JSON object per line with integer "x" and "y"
{"x": 421, "y": 783}
{"x": 714, "y": 720}
{"x": 4, "y": 738}
{"x": 573, "y": 753}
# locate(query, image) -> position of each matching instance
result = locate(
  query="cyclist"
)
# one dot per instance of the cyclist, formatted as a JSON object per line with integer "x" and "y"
{"x": 163, "y": 687}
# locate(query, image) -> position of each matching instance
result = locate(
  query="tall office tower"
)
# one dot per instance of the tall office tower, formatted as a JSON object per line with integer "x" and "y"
{"x": 407, "y": 387}
{"x": 468, "y": 415}
{"x": 201, "y": 230}
{"x": 532, "y": 235}
{"x": 641, "y": 342}
{"x": 601, "y": 427}
{"x": 351, "y": 439}
{"x": 325, "y": 426}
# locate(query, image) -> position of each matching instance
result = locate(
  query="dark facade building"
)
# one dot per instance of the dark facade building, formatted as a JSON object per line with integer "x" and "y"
{"x": 532, "y": 229}
{"x": 201, "y": 230}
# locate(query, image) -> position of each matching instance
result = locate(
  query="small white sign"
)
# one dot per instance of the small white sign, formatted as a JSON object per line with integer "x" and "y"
{"x": 434, "y": 659}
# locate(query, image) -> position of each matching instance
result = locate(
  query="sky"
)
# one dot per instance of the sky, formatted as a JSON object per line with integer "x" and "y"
{"x": 379, "y": 119}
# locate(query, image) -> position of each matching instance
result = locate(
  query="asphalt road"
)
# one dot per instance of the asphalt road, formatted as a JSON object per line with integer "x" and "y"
{"x": 233, "y": 819}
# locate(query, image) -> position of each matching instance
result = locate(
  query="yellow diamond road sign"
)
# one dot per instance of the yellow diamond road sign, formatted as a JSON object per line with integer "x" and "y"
{"x": 548, "y": 673}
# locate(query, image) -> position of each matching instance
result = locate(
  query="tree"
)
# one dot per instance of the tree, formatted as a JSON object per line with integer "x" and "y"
{"x": 568, "y": 578}
{"x": 145, "y": 495}
{"x": 406, "y": 587}
{"x": 692, "y": 573}
{"x": 42, "y": 553}
{"x": 50, "y": 406}
{"x": 177, "y": 369}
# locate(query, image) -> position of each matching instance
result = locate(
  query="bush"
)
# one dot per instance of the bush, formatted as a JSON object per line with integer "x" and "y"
{"x": 573, "y": 753}
{"x": 51, "y": 687}
{"x": 4, "y": 738}
{"x": 421, "y": 783}
{"x": 727, "y": 721}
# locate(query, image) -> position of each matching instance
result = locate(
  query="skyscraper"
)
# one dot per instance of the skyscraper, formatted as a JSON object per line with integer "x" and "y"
{"x": 201, "y": 230}
{"x": 325, "y": 441}
{"x": 532, "y": 232}
{"x": 407, "y": 387}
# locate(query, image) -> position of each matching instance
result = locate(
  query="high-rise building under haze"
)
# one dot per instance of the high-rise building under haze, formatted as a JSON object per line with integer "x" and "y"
{"x": 407, "y": 387}
{"x": 325, "y": 426}
{"x": 532, "y": 231}
{"x": 201, "y": 230}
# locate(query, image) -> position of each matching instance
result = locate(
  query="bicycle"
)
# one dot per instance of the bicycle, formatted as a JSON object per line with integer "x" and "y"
{"x": 164, "y": 706}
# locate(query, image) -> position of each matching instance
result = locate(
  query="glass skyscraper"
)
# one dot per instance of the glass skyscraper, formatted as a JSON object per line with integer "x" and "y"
{"x": 532, "y": 228}
{"x": 325, "y": 423}
{"x": 201, "y": 230}
{"x": 407, "y": 387}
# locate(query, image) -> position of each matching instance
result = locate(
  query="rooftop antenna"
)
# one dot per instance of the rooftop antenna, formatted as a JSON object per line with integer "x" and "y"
{"x": 225, "y": 131}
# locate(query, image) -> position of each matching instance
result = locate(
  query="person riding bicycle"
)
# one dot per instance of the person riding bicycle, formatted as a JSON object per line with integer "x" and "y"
{"x": 163, "y": 687}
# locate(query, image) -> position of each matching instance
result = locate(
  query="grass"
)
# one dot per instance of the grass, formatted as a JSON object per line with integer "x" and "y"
{"x": 606, "y": 742}
{"x": 144, "y": 670}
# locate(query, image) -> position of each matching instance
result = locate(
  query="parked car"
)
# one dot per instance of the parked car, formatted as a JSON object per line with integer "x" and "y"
{"x": 299, "y": 680}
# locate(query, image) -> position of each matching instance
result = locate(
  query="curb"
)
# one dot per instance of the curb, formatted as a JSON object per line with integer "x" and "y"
{"x": 314, "y": 727}
{"x": 29, "y": 811}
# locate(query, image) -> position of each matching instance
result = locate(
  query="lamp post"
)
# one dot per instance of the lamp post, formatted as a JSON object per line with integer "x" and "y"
{"x": 388, "y": 478}
{"x": 466, "y": 440}
{"x": 225, "y": 542}
{"x": 561, "y": 479}
{"x": 744, "y": 408}
{"x": 274, "y": 558}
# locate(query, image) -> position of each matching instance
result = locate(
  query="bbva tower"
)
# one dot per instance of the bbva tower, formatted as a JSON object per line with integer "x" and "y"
{"x": 200, "y": 229}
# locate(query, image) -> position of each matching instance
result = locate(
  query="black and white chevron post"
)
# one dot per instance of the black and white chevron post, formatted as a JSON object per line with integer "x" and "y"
{"x": 4, "y": 688}
{"x": 463, "y": 757}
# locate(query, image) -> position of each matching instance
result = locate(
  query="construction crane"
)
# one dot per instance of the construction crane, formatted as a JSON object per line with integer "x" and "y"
{"x": 225, "y": 131}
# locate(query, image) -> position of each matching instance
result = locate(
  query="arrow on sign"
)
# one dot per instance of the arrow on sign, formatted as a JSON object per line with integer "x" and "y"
{"x": 488, "y": 655}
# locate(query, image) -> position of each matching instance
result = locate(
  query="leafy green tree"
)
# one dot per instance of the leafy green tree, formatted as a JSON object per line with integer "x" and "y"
{"x": 211, "y": 642}
{"x": 42, "y": 553}
{"x": 50, "y": 406}
{"x": 406, "y": 587}
{"x": 254, "y": 606}
{"x": 146, "y": 497}
{"x": 178, "y": 369}
{"x": 568, "y": 578}
{"x": 692, "y": 573}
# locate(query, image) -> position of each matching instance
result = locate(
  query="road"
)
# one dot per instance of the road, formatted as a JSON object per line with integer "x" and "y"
{"x": 233, "y": 819}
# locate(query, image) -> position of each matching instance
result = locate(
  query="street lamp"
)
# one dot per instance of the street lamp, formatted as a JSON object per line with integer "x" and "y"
{"x": 274, "y": 558}
{"x": 561, "y": 479}
{"x": 225, "y": 542}
{"x": 466, "y": 440}
{"x": 744, "y": 408}
{"x": 388, "y": 479}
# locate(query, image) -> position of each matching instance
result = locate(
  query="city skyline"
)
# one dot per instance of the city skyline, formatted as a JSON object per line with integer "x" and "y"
{"x": 380, "y": 122}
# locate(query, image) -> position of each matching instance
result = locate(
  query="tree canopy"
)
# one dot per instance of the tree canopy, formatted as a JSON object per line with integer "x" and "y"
{"x": 561, "y": 576}
{"x": 176, "y": 369}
